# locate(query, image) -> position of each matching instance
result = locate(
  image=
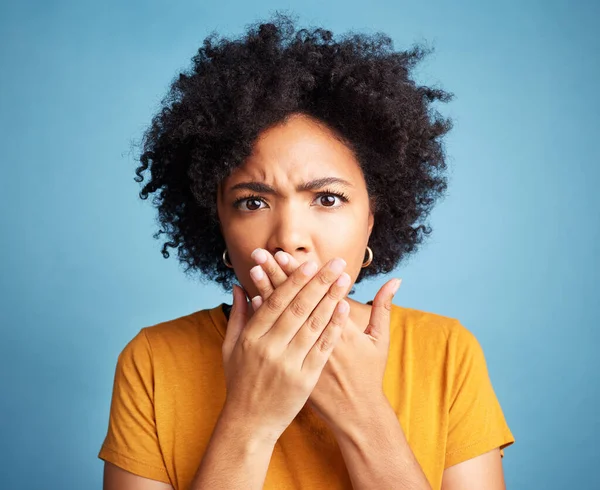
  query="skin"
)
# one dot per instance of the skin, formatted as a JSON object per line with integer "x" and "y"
{"x": 482, "y": 472}
{"x": 298, "y": 223}
{"x": 290, "y": 230}
{"x": 274, "y": 233}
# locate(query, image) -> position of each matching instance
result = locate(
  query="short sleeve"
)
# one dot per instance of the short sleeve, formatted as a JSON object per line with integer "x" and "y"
{"x": 131, "y": 442}
{"x": 476, "y": 421}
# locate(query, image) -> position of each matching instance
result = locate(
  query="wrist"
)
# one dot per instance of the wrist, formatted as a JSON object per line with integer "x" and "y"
{"x": 236, "y": 456}
{"x": 364, "y": 418}
{"x": 253, "y": 436}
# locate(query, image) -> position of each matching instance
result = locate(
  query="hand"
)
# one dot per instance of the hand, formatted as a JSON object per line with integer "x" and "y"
{"x": 270, "y": 273}
{"x": 273, "y": 360}
{"x": 351, "y": 384}
{"x": 352, "y": 379}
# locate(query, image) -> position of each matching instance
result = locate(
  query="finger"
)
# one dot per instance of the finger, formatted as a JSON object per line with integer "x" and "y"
{"x": 264, "y": 285}
{"x": 273, "y": 307}
{"x": 312, "y": 329}
{"x": 287, "y": 262}
{"x": 261, "y": 281}
{"x": 319, "y": 354}
{"x": 271, "y": 268}
{"x": 379, "y": 321}
{"x": 256, "y": 302}
{"x": 237, "y": 320}
{"x": 302, "y": 306}
{"x": 282, "y": 267}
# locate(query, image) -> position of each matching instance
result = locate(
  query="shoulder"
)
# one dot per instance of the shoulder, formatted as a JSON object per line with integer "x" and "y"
{"x": 191, "y": 333}
{"x": 435, "y": 341}
{"x": 203, "y": 323}
{"x": 428, "y": 325}
{"x": 432, "y": 335}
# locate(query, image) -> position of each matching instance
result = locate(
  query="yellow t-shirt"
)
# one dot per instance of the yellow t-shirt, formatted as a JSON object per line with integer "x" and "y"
{"x": 169, "y": 388}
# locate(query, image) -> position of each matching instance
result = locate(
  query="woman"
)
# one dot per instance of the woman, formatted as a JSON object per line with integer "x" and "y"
{"x": 298, "y": 165}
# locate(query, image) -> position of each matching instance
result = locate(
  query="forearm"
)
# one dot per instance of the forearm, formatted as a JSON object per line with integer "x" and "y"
{"x": 377, "y": 454}
{"x": 236, "y": 457}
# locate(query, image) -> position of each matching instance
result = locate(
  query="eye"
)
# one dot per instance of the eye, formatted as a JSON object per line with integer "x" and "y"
{"x": 328, "y": 199}
{"x": 249, "y": 203}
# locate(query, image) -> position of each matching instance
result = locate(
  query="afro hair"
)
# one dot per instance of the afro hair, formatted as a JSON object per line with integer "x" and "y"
{"x": 357, "y": 85}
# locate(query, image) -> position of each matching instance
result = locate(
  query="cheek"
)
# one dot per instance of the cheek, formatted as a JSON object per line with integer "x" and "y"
{"x": 345, "y": 237}
{"x": 240, "y": 244}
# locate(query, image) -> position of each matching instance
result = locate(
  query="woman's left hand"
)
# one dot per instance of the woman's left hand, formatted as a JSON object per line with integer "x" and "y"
{"x": 352, "y": 380}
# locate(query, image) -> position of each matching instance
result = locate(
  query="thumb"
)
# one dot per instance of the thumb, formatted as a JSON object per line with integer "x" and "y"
{"x": 379, "y": 322}
{"x": 237, "y": 321}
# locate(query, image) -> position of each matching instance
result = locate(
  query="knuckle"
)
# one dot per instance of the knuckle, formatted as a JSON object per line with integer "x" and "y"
{"x": 288, "y": 369}
{"x": 267, "y": 353}
{"x": 274, "y": 303}
{"x": 270, "y": 268}
{"x": 325, "y": 343}
{"x": 298, "y": 309}
{"x": 370, "y": 327}
{"x": 246, "y": 343}
{"x": 336, "y": 321}
{"x": 333, "y": 294}
{"x": 325, "y": 277}
{"x": 315, "y": 323}
{"x": 386, "y": 304}
{"x": 298, "y": 279}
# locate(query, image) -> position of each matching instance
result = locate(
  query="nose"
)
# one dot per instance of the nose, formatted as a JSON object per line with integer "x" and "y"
{"x": 290, "y": 233}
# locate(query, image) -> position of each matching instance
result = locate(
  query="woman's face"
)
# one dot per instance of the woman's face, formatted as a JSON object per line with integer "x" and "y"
{"x": 301, "y": 191}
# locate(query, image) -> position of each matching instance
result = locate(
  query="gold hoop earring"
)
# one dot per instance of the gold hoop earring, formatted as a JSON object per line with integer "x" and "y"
{"x": 370, "y": 259}
{"x": 227, "y": 263}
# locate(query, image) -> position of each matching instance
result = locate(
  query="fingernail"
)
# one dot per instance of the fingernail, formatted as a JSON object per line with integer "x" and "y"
{"x": 397, "y": 285}
{"x": 282, "y": 258}
{"x": 259, "y": 255}
{"x": 337, "y": 266}
{"x": 343, "y": 306}
{"x": 256, "y": 302}
{"x": 309, "y": 268}
{"x": 257, "y": 273}
{"x": 343, "y": 280}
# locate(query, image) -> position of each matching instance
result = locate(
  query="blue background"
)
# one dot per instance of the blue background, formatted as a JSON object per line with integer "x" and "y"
{"x": 514, "y": 253}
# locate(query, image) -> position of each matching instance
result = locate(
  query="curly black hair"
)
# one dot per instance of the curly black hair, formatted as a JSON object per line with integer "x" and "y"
{"x": 357, "y": 85}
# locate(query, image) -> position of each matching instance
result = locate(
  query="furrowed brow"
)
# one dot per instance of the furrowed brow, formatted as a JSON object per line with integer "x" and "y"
{"x": 312, "y": 185}
{"x": 254, "y": 187}
{"x": 319, "y": 183}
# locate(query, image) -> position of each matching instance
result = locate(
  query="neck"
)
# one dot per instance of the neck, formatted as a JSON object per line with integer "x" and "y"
{"x": 360, "y": 313}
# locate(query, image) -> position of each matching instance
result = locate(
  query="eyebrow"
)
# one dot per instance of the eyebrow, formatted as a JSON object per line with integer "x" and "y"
{"x": 303, "y": 187}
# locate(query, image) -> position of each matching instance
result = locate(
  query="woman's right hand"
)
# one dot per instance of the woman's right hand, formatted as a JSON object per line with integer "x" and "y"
{"x": 273, "y": 360}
